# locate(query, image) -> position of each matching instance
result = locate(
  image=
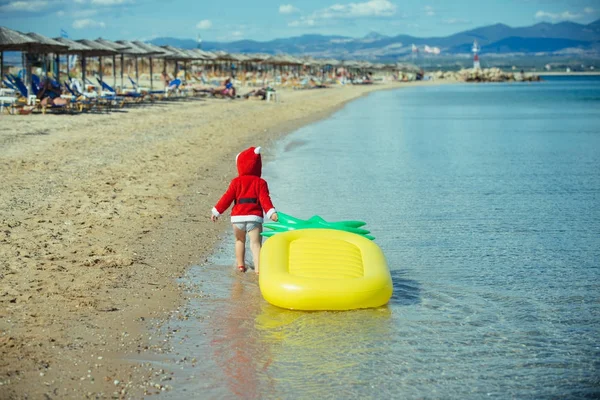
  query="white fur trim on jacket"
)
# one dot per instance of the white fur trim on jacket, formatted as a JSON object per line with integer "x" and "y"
{"x": 271, "y": 212}
{"x": 246, "y": 218}
{"x": 215, "y": 212}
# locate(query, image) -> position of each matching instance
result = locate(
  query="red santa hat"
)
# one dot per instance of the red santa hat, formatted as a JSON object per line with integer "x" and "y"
{"x": 249, "y": 162}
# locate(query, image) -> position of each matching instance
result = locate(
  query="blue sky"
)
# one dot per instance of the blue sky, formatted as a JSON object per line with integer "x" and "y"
{"x": 268, "y": 19}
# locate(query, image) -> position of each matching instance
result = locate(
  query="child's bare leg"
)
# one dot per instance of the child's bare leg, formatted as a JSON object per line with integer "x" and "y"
{"x": 240, "y": 246}
{"x": 255, "y": 245}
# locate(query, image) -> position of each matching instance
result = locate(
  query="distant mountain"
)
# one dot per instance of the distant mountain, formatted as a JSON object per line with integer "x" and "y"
{"x": 494, "y": 39}
{"x": 374, "y": 36}
{"x": 180, "y": 43}
{"x": 527, "y": 45}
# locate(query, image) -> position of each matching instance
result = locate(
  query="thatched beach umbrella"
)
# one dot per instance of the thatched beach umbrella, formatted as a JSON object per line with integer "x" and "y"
{"x": 101, "y": 51}
{"x": 74, "y": 47}
{"x": 78, "y": 49}
{"x": 223, "y": 56}
{"x": 407, "y": 67}
{"x": 256, "y": 57}
{"x": 159, "y": 52}
{"x": 136, "y": 51}
{"x": 119, "y": 49}
{"x": 198, "y": 54}
{"x": 178, "y": 55}
{"x": 11, "y": 40}
{"x": 206, "y": 54}
{"x": 223, "y": 59}
{"x": 17, "y": 41}
{"x": 46, "y": 44}
{"x": 193, "y": 56}
{"x": 153, "y": 51}
{"x": 50, "y": 45}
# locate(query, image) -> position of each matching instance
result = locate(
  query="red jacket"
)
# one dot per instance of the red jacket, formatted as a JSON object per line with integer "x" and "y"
{"x": 248, "y": 191}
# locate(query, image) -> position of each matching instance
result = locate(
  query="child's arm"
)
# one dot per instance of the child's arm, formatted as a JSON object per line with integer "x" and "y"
{"x": 265, "y": 201}
{"x": 225, "y": 201}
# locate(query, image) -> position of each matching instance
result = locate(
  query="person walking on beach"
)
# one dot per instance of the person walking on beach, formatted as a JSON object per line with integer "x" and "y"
{"x": 250, "y": 195}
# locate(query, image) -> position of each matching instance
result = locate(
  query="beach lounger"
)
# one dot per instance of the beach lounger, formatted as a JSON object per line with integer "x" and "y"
{"x": 109, "y": 92}
{"x": 10, "y": 88}
{"x": 37, "y": 85}
{"x": 79, "y": 100}
{"x": 7, "y": 102}
{"x": 173, "y": 87}
{"x": 8, "y": 96}
{"x": 102, "y": 101}
{"x": 20, "y": 87}
{"x": 145, "y": 90}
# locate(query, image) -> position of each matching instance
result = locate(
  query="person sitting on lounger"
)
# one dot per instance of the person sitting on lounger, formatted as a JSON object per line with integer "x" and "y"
{"x": 262, "y": 93}
{"x": 227, "y": 89}
{"x": 50, "y": 95}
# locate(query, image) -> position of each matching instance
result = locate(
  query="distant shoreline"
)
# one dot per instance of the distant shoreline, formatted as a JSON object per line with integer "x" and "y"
{"x": 595, "y": 73}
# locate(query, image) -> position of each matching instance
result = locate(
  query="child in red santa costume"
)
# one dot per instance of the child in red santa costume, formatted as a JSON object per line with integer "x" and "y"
{"x": 250, "y": 195}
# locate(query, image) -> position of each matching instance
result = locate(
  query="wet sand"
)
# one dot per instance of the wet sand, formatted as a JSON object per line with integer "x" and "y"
{"x": 99, "y": 216}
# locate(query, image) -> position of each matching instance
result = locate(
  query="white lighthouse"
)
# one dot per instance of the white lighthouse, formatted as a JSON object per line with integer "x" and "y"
{"x": 475, "y": 51}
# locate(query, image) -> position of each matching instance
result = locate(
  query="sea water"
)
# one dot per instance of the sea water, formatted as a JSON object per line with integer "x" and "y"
{"x": 485, "y": 199}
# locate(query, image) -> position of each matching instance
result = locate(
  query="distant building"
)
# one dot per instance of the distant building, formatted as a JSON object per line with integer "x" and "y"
{"x": 476, "y": 49}
{"x": 476, "y": 63}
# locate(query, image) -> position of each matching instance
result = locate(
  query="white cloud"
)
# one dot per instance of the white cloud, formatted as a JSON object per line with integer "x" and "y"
{"x": 204, "y": 24}
{"x": 456, "y": 21}
{"x": 28, "y": 6}
{"x": 87, "y": 23}
{"x": 103, "y": 3}
{"x": 562, "y": 16}
{"x": 589, "y": 10}
{"x": 429, "y": 11}
{"x": 302, "y": 22}
{"x": 108, "y": 2}
{"x": 77, "y": 14}
{"x": 371, "y": 8}
{"x": 287, "y": 9}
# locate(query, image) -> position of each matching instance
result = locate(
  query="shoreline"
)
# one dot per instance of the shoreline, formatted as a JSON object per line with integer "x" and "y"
{"x": 595, "y": 73}
{"x": 101, "y": 215}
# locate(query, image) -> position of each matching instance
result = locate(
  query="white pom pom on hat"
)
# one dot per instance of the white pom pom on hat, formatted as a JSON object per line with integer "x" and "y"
{"x": 256, "y": 151}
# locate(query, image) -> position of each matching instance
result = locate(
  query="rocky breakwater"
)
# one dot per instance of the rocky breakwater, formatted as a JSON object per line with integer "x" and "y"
{"x": 485, "y": 75}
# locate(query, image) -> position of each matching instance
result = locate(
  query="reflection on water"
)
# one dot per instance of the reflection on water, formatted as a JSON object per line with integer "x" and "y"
{"x": 484, "y": 200}
{"x": 233, "y": 342}
{"x": 250, "y": 349}
{"x": 314, "y": 352}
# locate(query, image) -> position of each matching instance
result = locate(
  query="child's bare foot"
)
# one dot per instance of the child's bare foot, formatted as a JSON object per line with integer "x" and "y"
{"x": 242, "y": 268}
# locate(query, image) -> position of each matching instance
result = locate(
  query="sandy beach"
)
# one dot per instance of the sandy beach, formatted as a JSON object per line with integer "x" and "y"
{"x": 101, "y": 213}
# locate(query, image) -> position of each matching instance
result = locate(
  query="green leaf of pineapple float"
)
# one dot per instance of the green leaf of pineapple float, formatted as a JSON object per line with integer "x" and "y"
{"x": 289, "y": 223}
